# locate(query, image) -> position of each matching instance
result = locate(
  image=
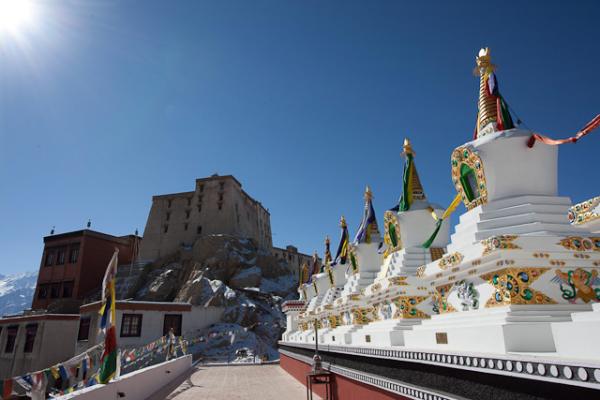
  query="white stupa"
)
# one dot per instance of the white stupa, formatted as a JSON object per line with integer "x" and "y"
{"x": 519, "y": 265}
{"x": 363, "y": 261}
{"x": 399, "y": 300}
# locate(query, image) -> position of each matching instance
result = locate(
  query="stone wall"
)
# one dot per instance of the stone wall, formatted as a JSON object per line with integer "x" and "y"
{"x": 218, "y": 205}
{"x": 291, "y": 255}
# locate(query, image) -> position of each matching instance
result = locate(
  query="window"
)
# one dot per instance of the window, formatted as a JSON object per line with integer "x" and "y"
{"x": 166, "y": 228}
{"x": 187, "y": 213}
{"x": 202, "y": 188}
{"x": 60, "y": 257}
{"x": 185, "y": 226}
{"x": 221, "y": 197}
{"x": 42, "y": 291}
{"x": 49, "y": 258}
{"x": 30, "y": 332}
{"x": 74, "y": 254}
{"x": 84, "y": 328}
{"x": 468, "y": 180}
{"x": 11, "y": 337}
{"x": 55, "y": 290}
{"x": 131, "y": 325}
{"x": 199, "y": 229}
{"x": 172, "y": 321}
{"x": 67, "y": 289}
{"x": 189, "y": 199}
{"x": 168, "y": 216}
{"x": 220, "y": 206}
{"x": 169, "y": 203}
{"x": 221, "y": 185}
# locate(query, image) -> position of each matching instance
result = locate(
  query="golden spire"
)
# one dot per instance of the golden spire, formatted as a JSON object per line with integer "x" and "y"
{"x": 416, "y": 188}
{"x": 407, "y": 148}
{"x": 488, "y": 113}
{"x": 327, "y": 251}
{"x": 343, "y": 222}
{"x": 368, "y": 194}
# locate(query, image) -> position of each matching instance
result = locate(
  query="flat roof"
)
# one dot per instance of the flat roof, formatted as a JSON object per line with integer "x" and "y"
{"x": 38, "y": 317}
{"x": 139, "y": 305}
{"x": 217, "y": 177}
{"x": 87, "y": 232}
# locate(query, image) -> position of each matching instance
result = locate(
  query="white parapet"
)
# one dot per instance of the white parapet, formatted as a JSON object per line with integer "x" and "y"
{"x": 138, "y": 385}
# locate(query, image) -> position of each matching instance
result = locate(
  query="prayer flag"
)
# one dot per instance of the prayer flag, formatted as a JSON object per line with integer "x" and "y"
{"x": 7, "y": 386}
{"x": 407, "y": 178}
{"x": 109, "y": 367}
{"x": 342, "y": 252}
{"x": 368, "y": 226}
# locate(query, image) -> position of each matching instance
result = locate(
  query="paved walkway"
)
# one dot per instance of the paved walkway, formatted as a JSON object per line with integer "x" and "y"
{"x": 256, "y": 382}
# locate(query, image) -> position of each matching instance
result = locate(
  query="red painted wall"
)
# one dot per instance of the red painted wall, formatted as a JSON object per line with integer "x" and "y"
{"x": 343, "y": 388}
{"x": 95, "y": 251}
{"x": 96, "y": 254}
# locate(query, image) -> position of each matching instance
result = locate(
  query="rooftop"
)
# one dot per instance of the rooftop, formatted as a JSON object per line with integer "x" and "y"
{"x": 265, "y": 382}
{"x": 139, "y": 305}
{"x": 86, "y": 232}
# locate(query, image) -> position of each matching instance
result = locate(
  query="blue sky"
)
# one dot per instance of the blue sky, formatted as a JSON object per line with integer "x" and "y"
{"x": 106, "y": 103}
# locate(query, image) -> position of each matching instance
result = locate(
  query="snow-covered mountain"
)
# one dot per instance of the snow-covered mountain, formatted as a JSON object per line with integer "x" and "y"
{"x": 16, "y": 292}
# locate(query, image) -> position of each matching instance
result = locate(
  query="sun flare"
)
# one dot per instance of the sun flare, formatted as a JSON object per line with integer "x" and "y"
{"x": 15, "y": 15}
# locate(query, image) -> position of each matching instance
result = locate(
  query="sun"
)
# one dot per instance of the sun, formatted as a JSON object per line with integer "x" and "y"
{"x": 15, "y": 15}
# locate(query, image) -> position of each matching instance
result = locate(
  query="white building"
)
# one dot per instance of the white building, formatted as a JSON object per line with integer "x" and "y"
{"x": 141, "y": 322}
{"x": 34, "y": 342}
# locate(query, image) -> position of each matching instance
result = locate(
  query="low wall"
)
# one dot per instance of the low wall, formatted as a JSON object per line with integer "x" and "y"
{"x": 343, "y": 388}
{"x": 138, "y": 385}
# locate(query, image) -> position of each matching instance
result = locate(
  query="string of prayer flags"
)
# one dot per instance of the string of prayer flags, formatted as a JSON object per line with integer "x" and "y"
{"x": 593, "y": 124}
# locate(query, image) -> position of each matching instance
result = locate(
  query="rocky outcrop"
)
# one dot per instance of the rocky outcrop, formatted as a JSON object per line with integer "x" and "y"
{"x": 249, "y": 277}
{"x": 163, "y": 284}
{"x": 224, "y": 271}
{"x": 200, "y": 291}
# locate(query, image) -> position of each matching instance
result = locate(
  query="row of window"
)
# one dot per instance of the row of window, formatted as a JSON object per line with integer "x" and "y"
{"x": 185, "y": 228}
{"x": 55, "y": 290}
{"x": 11, "y": 337}
{"x": 131, "y": 325}
{"x": 201, "y": 188}
{"x": 57, "y": 255}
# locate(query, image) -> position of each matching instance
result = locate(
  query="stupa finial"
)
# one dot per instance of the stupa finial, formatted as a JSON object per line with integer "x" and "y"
{"x": 407, "y": 148}
{"x": 343, "y": 222}
{"x": 493, "y": 114}
{"x": 411, "y": 184}
{"x": 368, "y": 194}
{"x": 484, "y": 62}
{"x": 327, "y": 257}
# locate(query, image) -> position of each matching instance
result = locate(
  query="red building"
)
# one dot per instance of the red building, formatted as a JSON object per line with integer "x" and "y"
{"x": 73, "y": 265}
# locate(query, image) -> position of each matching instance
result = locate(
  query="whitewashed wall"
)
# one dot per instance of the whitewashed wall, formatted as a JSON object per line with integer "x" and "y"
{"x": 138, "y": 385}
{"x": 152, "y": 325}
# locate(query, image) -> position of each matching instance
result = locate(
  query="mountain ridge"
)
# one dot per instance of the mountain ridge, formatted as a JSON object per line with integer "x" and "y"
{"x": 16, "y": 292}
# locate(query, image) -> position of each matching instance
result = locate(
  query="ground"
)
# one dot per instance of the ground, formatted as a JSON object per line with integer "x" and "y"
{"x": 252, "y": 382}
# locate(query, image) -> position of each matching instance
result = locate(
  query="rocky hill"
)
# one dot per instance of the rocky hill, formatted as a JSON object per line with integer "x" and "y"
{"x": 16, "y": 292}
{"x": 229, "y": 272}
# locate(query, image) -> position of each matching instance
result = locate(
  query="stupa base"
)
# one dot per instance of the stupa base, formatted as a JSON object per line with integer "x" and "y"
{"x": 342, "y": 335}
{"x": 384, "y": 333}
{"x": 573, "y": 339}
{"x": 501, "y": 330}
